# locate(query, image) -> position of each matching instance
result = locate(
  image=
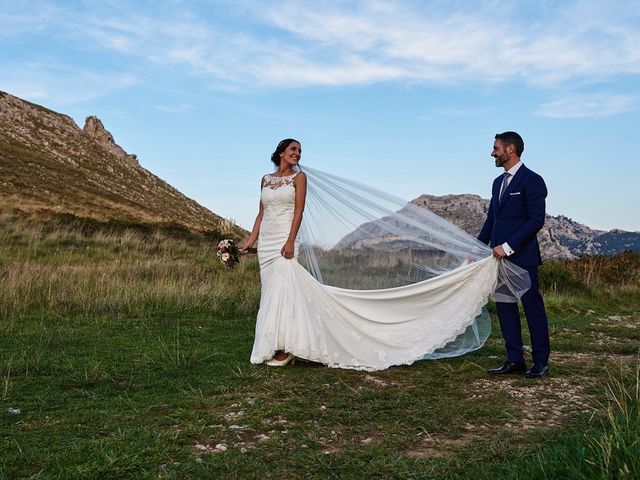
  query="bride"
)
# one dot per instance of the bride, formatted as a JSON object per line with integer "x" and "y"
{"x": 417, "y": 285}
{"x": 282, "y": 200}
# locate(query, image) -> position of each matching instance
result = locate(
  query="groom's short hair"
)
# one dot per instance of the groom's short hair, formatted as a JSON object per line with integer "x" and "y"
{"x": 512, "y": 138}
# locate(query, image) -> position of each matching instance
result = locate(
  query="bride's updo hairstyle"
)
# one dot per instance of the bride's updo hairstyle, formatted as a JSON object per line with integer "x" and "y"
{"x": 282, "y": 146}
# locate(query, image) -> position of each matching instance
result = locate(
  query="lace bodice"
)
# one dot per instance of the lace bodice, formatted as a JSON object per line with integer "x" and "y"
{"x": 278, "y": 199}
{"x": 273, "y": 182}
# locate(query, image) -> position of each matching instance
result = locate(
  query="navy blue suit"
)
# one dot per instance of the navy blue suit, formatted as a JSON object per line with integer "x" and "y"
{"x": 516, "y": 219}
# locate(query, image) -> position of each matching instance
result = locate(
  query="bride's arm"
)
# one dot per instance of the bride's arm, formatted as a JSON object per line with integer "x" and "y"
{"x": 255, "y": 231}
{"x": 249, "y": 242}
{"x": 300, "y": 183}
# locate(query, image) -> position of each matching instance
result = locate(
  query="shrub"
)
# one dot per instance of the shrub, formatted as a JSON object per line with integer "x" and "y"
{"x": 556, "y": 278}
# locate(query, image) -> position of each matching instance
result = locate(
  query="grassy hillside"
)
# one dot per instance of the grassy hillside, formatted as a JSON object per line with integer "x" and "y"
{"x": 124, "y": 354}
{"x": 48, "y": 165}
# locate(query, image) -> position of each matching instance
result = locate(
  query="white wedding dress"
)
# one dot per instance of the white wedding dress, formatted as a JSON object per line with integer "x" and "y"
{"x": 355, "y": 329}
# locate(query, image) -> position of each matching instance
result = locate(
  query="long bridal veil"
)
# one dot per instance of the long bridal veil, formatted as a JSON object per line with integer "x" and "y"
{"x": 359, "y": 238}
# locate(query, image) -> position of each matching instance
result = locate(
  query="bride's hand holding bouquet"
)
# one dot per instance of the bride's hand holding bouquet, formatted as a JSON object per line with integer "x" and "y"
{"x": 228, "y": 252}
{"x": 244, "y": 247}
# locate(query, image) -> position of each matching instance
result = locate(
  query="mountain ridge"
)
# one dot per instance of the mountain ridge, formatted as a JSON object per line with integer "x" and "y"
{"x": 48, "y": 164}
{"x": 560, "y": 237}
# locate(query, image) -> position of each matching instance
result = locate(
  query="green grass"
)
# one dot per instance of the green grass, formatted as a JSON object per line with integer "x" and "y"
{"x": 126, "y": 354}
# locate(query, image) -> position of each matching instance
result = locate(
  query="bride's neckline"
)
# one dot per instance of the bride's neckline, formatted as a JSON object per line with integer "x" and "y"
{"x": 282, "y": 176}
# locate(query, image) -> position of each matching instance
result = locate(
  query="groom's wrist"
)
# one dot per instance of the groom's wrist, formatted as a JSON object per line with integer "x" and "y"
{"x": 507, "y": 249}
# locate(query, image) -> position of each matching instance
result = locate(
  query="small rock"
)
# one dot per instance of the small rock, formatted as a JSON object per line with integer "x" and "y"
{"x": 231, "y": 415}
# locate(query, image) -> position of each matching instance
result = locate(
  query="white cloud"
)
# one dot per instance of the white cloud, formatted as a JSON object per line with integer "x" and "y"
{"x": 289, "y": 69}
{"x": 490, "y": 43}
{"x": 588, "y": 105}
{"x": 61, "y": 85}
{"x": 459, "y": 112}
{"x": 285, "y": 43}
{"x": 174, "y": 109}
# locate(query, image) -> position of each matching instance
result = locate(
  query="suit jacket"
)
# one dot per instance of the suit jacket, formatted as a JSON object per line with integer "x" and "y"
{"x": 517, "y": 217}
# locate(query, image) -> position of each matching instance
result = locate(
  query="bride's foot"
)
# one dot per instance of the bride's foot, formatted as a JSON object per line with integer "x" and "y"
{"x": 280, "y": 355}
{"x": 280, "y": 359}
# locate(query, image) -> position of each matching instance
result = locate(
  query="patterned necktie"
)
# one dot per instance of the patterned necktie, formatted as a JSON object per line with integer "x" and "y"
{"x": 505, "y": 182}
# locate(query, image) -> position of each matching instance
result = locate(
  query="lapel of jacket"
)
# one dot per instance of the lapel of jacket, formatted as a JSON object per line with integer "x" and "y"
{"x": 495, "y": 194}
{"x": 515, "y": 182}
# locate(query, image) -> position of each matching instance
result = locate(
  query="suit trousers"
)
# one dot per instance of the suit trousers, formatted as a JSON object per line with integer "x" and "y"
{"x": 509, "y": 317}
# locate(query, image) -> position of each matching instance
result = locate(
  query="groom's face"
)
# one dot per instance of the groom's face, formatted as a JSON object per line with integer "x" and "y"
{"x": 499, "y": 153}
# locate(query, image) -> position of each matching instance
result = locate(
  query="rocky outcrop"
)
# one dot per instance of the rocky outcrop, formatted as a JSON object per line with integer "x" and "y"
{"x": 49, "y": 164}
{"x": 469, "y": 212}
{"x": 94, "y": 127}
{"x": 561, "y": 238}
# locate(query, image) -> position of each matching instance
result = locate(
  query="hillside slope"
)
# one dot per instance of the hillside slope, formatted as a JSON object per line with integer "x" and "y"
{"x": 48, "y": 165}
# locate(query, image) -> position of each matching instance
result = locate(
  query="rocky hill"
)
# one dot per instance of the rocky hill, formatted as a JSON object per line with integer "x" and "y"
{"x": 49, "y": 166}
{"x": 560, "y": 238}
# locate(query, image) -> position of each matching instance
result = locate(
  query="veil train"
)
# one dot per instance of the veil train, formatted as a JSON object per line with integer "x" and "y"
{"x": 391, "y": 262}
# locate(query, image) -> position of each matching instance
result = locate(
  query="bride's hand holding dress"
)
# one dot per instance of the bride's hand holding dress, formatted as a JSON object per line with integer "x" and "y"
{"x": 288, "y": 250}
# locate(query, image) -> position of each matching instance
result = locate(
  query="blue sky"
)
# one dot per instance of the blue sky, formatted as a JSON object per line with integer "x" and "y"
{"x": 402, "y": 95}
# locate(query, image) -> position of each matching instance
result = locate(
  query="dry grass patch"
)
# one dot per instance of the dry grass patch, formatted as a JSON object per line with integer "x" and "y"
{"x": 544, "y": 403}
{"x": 437, "y": 445}
{"x": 590, "y": 359}
{"x": 620, "y": 321}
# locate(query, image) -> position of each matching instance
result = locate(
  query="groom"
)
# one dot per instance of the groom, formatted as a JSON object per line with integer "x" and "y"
{"x": 516, "y": 214}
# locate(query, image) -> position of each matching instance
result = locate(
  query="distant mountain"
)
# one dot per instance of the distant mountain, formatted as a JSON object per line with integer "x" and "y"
{"x": 48, "y": 165}
{"x": 560, "y": 238}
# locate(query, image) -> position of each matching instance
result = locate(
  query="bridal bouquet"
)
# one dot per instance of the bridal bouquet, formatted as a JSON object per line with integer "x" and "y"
{"x": 228, "y": 252}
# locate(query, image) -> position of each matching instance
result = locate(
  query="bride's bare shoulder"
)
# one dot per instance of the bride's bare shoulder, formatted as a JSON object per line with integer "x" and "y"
{"x": 300, "y": 177}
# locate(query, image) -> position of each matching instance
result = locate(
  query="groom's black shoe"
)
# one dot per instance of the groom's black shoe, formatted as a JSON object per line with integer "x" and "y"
{"x": 537, "y": 371}
{"x": 509, "y": 367}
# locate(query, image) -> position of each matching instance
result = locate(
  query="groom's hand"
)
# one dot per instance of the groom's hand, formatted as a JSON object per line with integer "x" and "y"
{"x": 499, "y": 252}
